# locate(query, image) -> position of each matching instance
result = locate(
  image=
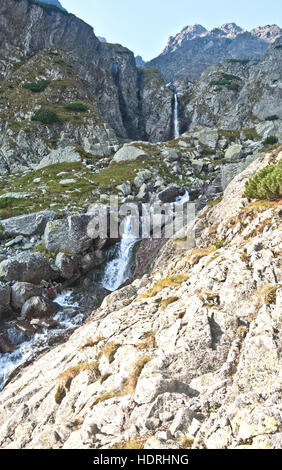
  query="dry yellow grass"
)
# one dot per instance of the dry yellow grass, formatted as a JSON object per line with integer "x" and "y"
{"x": 267, "y": 294}
{"x": 109, "y": 351}
{"x": 136, "y": 443}
{"x": 148, "y": 342}
{"x": 66, "y": 378}
{"x": 166, "y": 302}
{"x": 129, "y": 385}
{"x": 173, "y": 281}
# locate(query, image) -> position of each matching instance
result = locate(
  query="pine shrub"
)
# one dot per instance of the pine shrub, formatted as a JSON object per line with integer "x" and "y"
{"x": 45, "y": 116}
{"x": 76, "y": 106}
{"x": 36, "y": 87}
{"x": 271, "y": 140}
{"x": 266, "y": 184}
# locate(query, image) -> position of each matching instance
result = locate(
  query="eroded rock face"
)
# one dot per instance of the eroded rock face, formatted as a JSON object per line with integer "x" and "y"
{"x": 190, "y": 352}
{"x": 238, "y": 95}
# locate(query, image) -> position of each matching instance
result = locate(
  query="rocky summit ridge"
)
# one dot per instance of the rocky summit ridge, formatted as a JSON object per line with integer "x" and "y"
{"x": 192, "y": 50}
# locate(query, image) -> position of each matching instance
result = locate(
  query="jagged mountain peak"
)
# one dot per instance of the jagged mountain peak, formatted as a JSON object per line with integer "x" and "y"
{"x": 268, "y": 33}
{"x": 191, "y": 51}
{"x": 228, "y": 29}
{"x": 186, "y": 34}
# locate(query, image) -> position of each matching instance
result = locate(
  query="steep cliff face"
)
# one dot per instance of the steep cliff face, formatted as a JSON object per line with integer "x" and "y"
{"x": 195, "y": 48}
{"x": 110, "y": 71}
{"x": 237, "y": 94}
{"x": 188, "y": 356}
{"x": 156, "y": 105}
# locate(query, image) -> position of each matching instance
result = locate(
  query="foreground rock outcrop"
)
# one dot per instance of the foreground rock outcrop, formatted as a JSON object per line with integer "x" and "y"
{"x": 188, "y": 356}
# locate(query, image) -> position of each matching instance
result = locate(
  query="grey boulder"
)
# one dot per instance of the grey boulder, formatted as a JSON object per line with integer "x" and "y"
{"x": 66, "y": 265}
{"x": 68, "y": 235}
{"x": 170, "y": 193}
{"x": 21, "y": 292}
{"x": 27, "y": 267}
{"x": 129, "y": 152}
{"x": 39, "y": 307}
{"x": 28, "y": 224}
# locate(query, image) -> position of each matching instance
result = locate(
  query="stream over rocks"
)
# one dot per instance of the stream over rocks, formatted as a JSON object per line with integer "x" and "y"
{"x": 28, "y": 344}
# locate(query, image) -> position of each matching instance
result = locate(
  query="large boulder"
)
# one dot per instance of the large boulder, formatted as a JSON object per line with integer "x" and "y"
{"x": 129, "y": 152}
{"x": 208, "y": 137}
{"x": 5, "y": 296}
{"x": 66, "y": 265}
{"x": 233, "y": 151}
{"x": 29, "y": 224}
{"x": 27, "y": 267}
{"x": 142, "y": 177}
{"x": 68, "y": 235}
{"x": 39, "y": 307}
{"x": 170, "y": 193}
{"x": 172, "y": 155}
{"x": 21, "y": 292}
{"x": 61, "y": 155}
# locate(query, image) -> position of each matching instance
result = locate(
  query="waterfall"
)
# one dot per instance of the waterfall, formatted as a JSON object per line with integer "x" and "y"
{"x": 118, "y": 269}
{"x": 176, "y": 120}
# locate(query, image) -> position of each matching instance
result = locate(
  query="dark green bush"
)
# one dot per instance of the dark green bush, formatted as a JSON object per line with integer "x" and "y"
{"x": 273, "y": 117}
{"x": 36, "y": 87}
{"x": 271, "y": 140}
{"x": 228, "y": 80}
{"x": 233, "y": 86}
{"x": 6, "y": 202}
{"x": 230, "y": 77}
{"x": 45, "y": 116}
{"x": 76, "y": 106}
{"x": 266, "y": 184}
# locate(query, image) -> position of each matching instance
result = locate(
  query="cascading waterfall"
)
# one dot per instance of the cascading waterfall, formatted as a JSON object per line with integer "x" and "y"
{"x": 118, "y": 269}
{"x": 176, "y": 118}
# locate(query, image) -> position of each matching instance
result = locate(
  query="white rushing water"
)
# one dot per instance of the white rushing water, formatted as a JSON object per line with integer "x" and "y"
{"x": 117, "y": 270}
{"x": 176, "y": 120}
{"x": 27, "y": 348}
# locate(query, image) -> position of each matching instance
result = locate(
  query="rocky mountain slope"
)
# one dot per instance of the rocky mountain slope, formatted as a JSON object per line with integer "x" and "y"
{"x": 191, "y": 51}
{"x": 188, "y": 356}
{"x": 236, "y": 94}
{"x": 108, "y": 70}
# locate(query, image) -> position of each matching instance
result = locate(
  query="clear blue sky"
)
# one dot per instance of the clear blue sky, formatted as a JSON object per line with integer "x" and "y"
{"x": 145, "y": 25}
